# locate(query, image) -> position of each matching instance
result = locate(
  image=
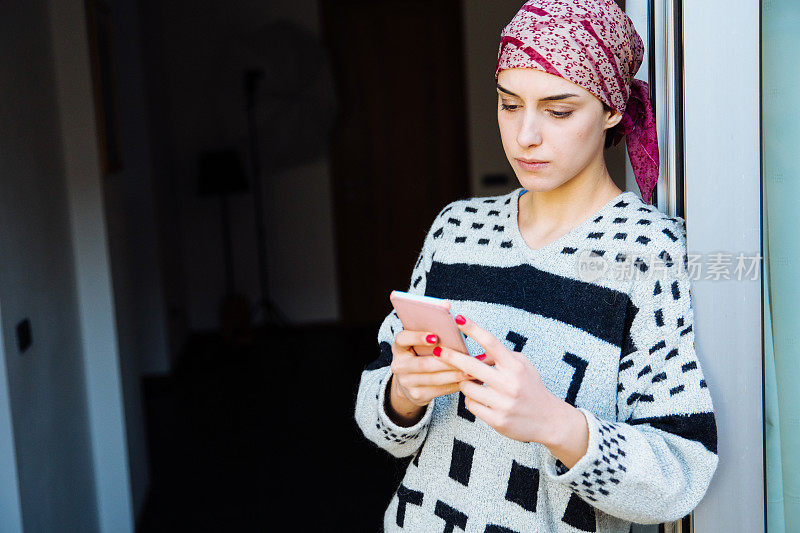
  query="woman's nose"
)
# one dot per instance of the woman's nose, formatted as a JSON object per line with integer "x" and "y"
{"x": 530, "y": 132}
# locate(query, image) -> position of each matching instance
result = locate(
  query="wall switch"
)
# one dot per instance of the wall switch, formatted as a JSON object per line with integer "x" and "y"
{"x": 24, "y": 335}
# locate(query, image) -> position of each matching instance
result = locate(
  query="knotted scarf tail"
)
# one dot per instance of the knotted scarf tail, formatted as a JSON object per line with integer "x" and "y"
{"x": 638, "y": 125}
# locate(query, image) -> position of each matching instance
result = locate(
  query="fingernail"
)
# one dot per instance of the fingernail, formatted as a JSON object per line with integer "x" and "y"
{"x": 480, "y": 357}
{"x": 437, "y": 351}
{"x": 460, "y": 320}
{"x": 431, "y": 339}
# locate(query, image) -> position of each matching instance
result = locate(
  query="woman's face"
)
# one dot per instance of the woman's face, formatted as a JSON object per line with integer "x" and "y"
{"x": 549, "y": 118}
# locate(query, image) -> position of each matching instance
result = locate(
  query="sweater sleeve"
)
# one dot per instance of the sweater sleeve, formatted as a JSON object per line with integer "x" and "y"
{"x": 655, "y": 462}
{"x": 370, "y": 410}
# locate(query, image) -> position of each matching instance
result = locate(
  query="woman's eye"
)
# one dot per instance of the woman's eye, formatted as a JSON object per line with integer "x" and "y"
{"x": 560, "y": 114}
{"x": 508, "y": 107}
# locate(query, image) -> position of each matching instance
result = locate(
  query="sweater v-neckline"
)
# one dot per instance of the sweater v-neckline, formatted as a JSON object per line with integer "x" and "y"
{"x": 559, "y": 242}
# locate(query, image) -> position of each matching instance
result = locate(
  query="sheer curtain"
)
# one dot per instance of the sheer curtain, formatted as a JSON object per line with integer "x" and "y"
{"x": 781, "y": 274}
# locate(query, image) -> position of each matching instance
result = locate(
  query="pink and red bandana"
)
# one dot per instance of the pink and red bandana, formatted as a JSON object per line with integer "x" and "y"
{"x": 593, "y": 44}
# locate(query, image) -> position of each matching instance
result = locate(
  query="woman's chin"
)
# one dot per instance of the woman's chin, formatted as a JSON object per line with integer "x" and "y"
{"x": 536, "y": 183}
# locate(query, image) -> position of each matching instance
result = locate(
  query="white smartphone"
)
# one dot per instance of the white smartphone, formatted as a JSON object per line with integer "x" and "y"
{"x": 426, "y": 313}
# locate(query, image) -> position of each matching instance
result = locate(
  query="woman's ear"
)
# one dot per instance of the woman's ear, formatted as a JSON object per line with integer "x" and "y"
{"x": 613, "y": 117}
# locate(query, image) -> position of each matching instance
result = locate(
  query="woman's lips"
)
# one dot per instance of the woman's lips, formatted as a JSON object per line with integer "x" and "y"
{"x": 532, "y": 166}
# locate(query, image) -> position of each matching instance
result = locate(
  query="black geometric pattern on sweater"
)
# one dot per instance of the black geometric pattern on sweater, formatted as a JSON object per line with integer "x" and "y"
{"x": 675, "y": 390}
{"x": 415, "y": 462}
{"x": 699, "y": 427}
{"x": 470, "y": 209}
{"x": 475, "y": 225}
{"x": 669, "y": 234}
{"x": 620, "y": 220}
{"x": 640, "y": 397}
{"x": 483, "y": 241}
{"x": 404, "y": 497}
{"x": 461, "y": 461}
{"x": 517, "y": 340}
{"x": 453, "y": 518}
{"x": 579, "y": 514}
{"x": 666, "y": 259}
{"x": 498, "y": 228}
{"x": 416, "y": 281}
{"x": 642, "y": 239}
{"x": 437, "y": 233}
{"x": 577, "y": 376}
{"x": 385, "y": 357}
{"x": 659, "y": 317}
{"x": 493, "y": 528}
{"x": 676, "y": 294}
{"x": 523, "y": 486}
{"x": 461, "y": 239}
{"x": 657, "y": 289}
{"x": 462, "y": 410}
{"x": 454, "y": 221}
{"x": 597, "y": 310}
{"x": 621, "y": 203}
{"x": 628, "y": 346}
{"x": 419, "y": 260}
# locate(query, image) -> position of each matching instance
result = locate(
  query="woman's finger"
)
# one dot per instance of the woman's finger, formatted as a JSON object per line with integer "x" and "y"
{"x": 428, "y": 363}
{"x": 485, "y": 395}
{"x": 407, "y": 338}
{"x": 469, "y": 365}
{"x": 432, "y": 391}
{"x": 436, "y": 378}
{"x": 493, "y": 347}
{"x": 480, "y": 410}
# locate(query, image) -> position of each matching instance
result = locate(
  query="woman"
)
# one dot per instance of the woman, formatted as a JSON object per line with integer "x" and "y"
{"x": 584, "y": 407}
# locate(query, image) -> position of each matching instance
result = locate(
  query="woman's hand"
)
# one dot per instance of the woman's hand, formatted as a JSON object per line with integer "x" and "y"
{"x": 512, "y": 399}
{"x": 421, "y": 378}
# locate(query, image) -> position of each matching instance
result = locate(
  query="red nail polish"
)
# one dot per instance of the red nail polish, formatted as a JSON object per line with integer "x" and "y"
{"x": 461, "y": 320}
{"x": 431, "y": 339}
{"x": 437, "y": 351}
{"x": 480, "y": 357}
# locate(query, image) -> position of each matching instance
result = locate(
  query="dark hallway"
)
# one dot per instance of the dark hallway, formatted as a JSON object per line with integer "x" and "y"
{"x": 242, "y": 438}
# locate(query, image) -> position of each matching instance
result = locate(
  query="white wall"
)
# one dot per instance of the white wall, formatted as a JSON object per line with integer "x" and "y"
{"x": 723, "y": 215}
{"x": 46, "y": 384}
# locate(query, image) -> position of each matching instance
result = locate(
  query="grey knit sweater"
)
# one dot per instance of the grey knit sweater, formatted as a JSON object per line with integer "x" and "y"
{"x": 615, "y": 341}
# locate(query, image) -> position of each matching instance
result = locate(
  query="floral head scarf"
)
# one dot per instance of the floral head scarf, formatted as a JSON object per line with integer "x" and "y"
{"x": 593, "y": 44}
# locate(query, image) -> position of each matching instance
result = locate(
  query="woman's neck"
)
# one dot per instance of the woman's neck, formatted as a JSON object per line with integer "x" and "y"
{"x": 555, "y": 212}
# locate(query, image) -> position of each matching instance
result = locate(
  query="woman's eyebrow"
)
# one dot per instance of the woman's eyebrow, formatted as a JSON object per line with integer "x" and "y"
{"x": 554, "y": 97}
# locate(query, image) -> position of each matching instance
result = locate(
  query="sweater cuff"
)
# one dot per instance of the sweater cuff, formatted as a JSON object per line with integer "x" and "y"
{"x": 391, "y": 431}
{"x": 598, "y": 472}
